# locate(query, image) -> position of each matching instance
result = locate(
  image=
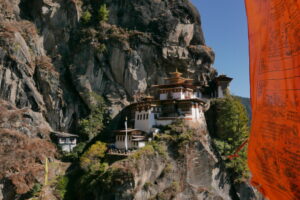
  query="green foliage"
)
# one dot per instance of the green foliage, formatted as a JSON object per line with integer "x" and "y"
{"x": 75, "y": 154}
{"x": 103, "y": 13}
{"x": 230, "y": 131}
{"x": 147, "y": 150}
{"x": 101, "y": 48}
{"x": 177, "y": 135}
{"x": 232, "y": 120}
{"x": 147, "y": 185}
{"x": 61, "y": 186}
{"x": 160, "y": 148}
{"x": 114, "y": 177}
{"x": 86, "y": 17}
{"x": 150, "y": 149}
{"x": 90, "y": 161}
{"x": 93, "y": 124}
{"x": 35, "y": 191}
{"x": 168, "y": 168}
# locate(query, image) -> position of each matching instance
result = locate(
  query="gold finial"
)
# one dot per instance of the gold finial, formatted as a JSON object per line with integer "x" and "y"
{"x": 126, "y": 118}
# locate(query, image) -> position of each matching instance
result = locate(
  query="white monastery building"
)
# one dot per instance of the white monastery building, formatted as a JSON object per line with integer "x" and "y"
{"x": 179, "y": 98}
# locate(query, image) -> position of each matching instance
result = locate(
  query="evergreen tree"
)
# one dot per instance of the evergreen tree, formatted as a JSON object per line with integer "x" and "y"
{"x": 93, "y": 124}
{"x": 86, "y": 17}
{"x": 103, "y": 13}
{"x": 230, "y": 130}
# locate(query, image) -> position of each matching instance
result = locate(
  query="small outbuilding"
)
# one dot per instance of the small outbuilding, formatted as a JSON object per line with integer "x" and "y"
{"x": 135, "y": 139}
{"x": 65, "y": 141}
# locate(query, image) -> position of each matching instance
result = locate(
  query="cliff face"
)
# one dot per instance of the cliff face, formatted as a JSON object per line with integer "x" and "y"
{"x": 24, "y": 146}
{"x": 184, "y": 170}
{"x": 144, "y": 41}
{"x": 50, "y": 62}
{"x": 45, "y": 52}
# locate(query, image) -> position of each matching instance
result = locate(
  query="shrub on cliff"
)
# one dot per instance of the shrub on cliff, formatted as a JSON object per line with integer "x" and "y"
{"x": 228, "y": 125}
{"x": 91, "y": 159}
{"x": 103, "y": 13}
{"x": 86, "y": 17}
{"x": 61, "y": 186}
{"x": 93, "y": 124}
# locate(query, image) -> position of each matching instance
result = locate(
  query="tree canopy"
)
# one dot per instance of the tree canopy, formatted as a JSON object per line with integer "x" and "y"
{"x": 93, "y": 123}
{"x": 229, "y": 124}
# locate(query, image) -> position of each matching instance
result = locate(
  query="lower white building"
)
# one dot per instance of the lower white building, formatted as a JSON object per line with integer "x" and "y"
{"x": 66, "y": 141}
{"x": 134, "y": 139}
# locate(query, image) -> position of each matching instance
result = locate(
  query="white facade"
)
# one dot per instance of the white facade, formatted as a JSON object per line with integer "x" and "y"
{"x": 144, "y": 120}
{"x": 120, "y": 142}
{"x": 220, "y": 92}
{"x": 180, "y": 93}
{"x": 163, "y": 122}
{"x": 67, "y": 144}
{"x": 163, "y": 96}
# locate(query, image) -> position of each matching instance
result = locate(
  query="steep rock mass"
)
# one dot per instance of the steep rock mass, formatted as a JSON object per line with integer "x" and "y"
{"x": 24, "y": 146}
{"x": 186, "y": 169}
{"x": 50, "y": 61}
{"x": 46, "y": 51}
{"x": 144, "y": 40}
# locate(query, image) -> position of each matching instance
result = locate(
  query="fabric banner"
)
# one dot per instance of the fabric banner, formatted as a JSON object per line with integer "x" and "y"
{"x": 274, "y": 145}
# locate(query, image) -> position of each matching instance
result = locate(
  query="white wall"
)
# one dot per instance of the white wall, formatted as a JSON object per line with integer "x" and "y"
{"x": 197, "y": 95}
{"x": 175, "y": 95}
{"x": 67, "y": 147}
{"x": 163, "y": 96}
{"x": 120, "y": 144}
{"x": 67, "y": 144}
{"x": 220, "y": 92}
{"x": 163, "y": 122}
{"x": 178, "y": 95}
{"x": 144, "y": 124}
{"x": 141, "y": 144}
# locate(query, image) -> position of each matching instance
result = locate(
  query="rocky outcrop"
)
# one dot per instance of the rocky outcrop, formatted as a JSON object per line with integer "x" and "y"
{"x": 24, "y": 146}
{"x": 28, "y": 76}
{"x": 43, "y": 55}
{"x": 144, "y": 40}
{"x": 188, "y": 170}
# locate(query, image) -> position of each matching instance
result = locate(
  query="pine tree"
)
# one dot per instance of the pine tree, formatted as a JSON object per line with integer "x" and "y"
{"x": 103, "y": 13}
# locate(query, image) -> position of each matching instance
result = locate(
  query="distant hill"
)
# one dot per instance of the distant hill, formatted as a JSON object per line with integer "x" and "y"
{"x": 246, "y": 102}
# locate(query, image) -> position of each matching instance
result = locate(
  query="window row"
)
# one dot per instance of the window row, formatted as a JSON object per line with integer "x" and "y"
{"x": 67, "y": 140}
{"x": 142, "y": 116}
{"x": 173, "y": 90}
{"x": 122, "y": 138}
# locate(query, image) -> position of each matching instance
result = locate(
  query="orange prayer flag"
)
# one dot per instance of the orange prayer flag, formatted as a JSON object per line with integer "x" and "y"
{"x": 274, "y": 146}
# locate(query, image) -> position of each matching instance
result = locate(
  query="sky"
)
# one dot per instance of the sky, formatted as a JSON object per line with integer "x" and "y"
{"x": 224, "y": 24}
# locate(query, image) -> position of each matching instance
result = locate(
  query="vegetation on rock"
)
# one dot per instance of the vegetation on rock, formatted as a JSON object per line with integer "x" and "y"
{"x": 229, "y": 127}
{"x": 90, "y": 160}
{"x": 92, "y": 125}
{"x": 61, "y": 186}
{"x": 86, "y": 17}
{"x": 103, "y": 13}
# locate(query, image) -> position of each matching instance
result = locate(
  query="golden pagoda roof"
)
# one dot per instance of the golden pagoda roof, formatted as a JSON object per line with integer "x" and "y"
{"x": 176, "y": 77}
{"x": 177, "y": 73}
